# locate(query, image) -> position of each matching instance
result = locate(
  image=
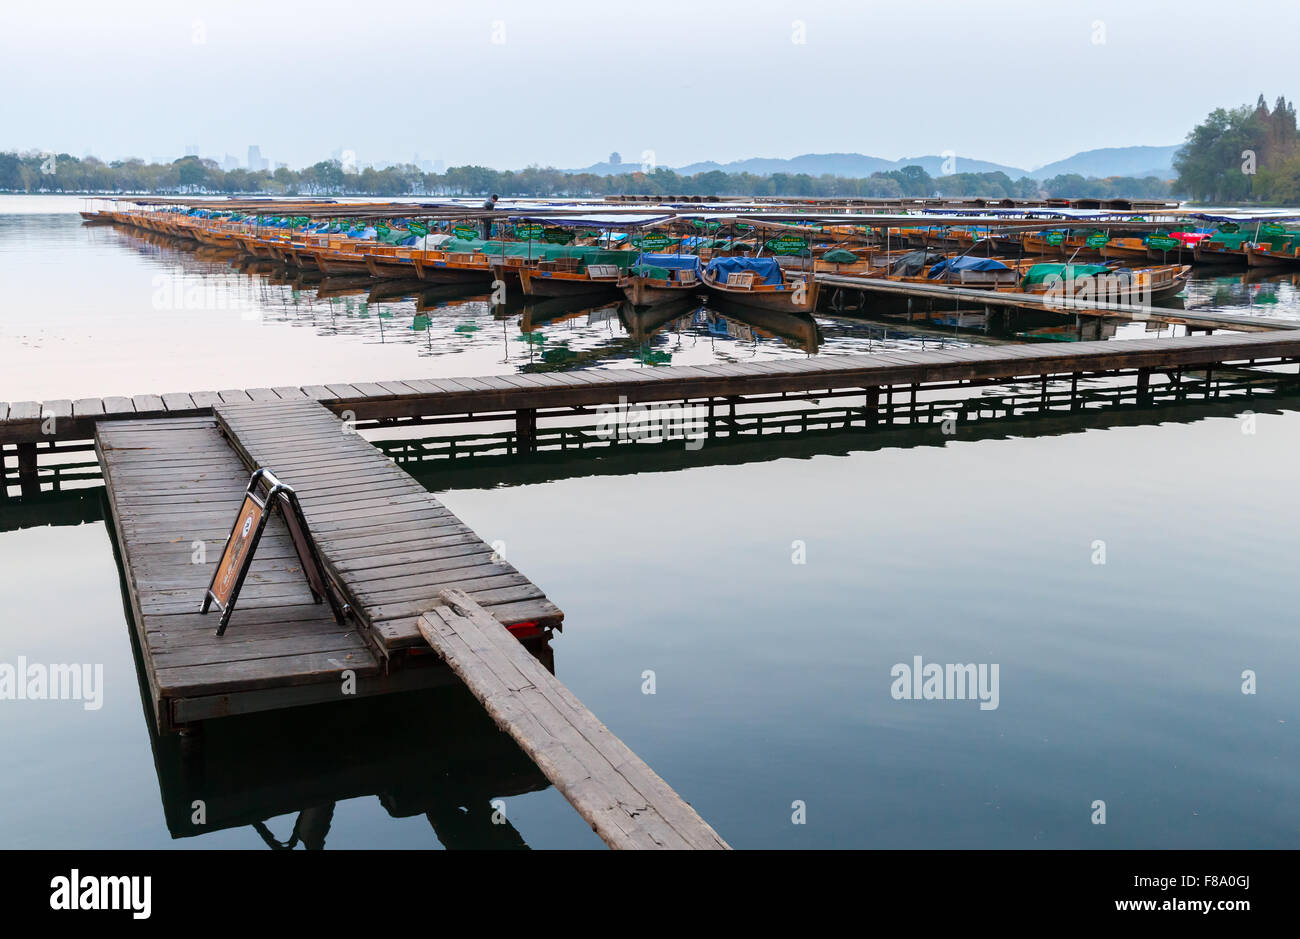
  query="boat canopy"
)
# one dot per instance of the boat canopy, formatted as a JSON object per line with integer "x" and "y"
{"x": 767, "y": 269}
{"x": 1249, "y": 218}
{"x": 948, "y": 265}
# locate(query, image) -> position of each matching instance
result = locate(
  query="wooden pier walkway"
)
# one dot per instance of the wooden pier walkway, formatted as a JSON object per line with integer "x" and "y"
{"x": 975, "y": 297}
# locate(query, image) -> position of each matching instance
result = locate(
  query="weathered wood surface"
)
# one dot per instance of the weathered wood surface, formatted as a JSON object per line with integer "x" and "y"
{"x": 175, "y": 484}
{"x": 613, "y": 789}
{"x": 27, "y": 421}
{"x": 385, "y": 539}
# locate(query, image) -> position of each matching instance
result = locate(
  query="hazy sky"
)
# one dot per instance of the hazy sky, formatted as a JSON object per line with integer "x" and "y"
{"x": 564, "y": 82}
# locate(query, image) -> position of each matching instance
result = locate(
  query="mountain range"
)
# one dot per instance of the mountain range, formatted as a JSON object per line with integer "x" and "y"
{"x": 1107, "y": 161}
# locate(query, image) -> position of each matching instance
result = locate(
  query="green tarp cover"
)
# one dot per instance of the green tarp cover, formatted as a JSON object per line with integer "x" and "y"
{"x": 1232, "y": 240}
{"x": 650, "y": 271}
{"x": 540, "y": 250}
{"x": 1046, "y": 273}
{"x": 839, "y": 256}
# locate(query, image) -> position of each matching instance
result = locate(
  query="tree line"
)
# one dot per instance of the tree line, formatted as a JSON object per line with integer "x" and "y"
{"x": 1245, "y": 154}
{"x": 62, "y": 172}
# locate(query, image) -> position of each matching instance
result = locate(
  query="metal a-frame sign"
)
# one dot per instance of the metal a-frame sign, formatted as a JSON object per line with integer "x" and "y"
{"x": 264, "y": 494}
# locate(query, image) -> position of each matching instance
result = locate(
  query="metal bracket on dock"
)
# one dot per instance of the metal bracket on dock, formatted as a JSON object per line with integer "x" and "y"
{"x": 237, "y": 555}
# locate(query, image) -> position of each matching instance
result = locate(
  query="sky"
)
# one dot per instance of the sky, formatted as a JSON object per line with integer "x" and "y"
{"x": 566, "y": 82}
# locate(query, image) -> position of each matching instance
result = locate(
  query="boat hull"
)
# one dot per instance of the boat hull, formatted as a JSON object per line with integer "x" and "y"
{"x": 537, "y": 284}
{"x": 788, "y": 300}
{"x": 644, "y": 291}
{"x": 1262, "y": 257}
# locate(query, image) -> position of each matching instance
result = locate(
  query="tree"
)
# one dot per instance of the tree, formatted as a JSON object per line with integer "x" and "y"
{"x": 1239, "y": 154}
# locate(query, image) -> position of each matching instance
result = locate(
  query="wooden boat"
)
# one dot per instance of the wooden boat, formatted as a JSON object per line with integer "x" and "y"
{"x": 1221, "y": 248}
{"x": 1269, "y": 254}
{"x": 759, "y": 282}
{"x": 1106, "y": 283}
{"x": 661, "y": 278}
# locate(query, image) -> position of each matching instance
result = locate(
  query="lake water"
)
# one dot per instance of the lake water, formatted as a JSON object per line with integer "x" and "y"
{"x": 1119, "y": 681}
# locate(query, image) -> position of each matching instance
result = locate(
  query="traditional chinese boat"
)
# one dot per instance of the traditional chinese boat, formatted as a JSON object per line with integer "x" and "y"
{"x": 759, "y": 282}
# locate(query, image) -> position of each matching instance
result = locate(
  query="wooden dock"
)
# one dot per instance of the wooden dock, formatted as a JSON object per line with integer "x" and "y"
{"x": 174, "y": 488}
{"x": 413, "y": 576}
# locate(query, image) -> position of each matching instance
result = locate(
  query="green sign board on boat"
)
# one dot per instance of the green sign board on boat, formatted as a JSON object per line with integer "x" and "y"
{"x": 465, "y": 231}
{"x": 1097, "y": 239}
{"x": 787, "y": 244}
{"x": 530, "y": 230}
{"x": 1162, "y": 242}
{"x": 655, "y": 241}
{"x": 1055, "y": 237}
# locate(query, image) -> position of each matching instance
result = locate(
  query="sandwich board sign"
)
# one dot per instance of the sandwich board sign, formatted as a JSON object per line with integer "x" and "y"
{"x": 263, "y": 496}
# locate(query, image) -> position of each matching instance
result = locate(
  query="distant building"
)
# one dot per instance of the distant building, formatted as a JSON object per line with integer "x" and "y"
{"x": 230, "y": 162}
{"x": 255, "y": 159}
{"x": 192, "y": 149}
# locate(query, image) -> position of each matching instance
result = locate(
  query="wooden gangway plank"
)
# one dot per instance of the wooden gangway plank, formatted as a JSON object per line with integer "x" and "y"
{"x": 386, "y": 541}
{"x": 613, "y": 789}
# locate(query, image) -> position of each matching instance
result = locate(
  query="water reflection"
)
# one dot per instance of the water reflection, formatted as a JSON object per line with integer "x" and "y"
{"x": 434, "y": 754}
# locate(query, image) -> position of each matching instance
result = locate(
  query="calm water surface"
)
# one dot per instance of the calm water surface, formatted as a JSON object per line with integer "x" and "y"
{"x": 1118, "y": 682}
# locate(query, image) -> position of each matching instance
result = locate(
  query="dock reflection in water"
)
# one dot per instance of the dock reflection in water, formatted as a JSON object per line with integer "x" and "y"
{"x": 433, "y": 753}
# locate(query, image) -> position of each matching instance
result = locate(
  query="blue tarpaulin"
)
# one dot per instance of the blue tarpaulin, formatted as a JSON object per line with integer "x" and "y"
{"x": 671, "y": 262}
{"x": 948, "y": 265}
{"x": 768, "y": 271}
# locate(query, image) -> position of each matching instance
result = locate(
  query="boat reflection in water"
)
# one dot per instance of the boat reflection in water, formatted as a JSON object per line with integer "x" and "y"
{"x": 432, "y": 753}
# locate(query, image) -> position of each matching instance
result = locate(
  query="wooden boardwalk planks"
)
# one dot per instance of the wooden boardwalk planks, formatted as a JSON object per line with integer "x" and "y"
{"x": 174, "y": 486}
{"x": 613, "y": 789}
{"x": 386, "y": 540}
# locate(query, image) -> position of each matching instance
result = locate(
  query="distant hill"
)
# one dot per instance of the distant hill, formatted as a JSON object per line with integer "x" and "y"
{"x": 1115, "y": 161}
{"x": 1109, "y": 161}
{"x": 853, "y": 165}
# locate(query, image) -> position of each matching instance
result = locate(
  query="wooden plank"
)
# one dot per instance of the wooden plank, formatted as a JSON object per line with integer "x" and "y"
{"x": 148, "y": 404}
{"x": 626, "y": 803}
{"x": 178, "y": 401}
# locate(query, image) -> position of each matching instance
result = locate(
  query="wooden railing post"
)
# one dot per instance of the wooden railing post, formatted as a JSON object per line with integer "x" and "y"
{"x": 28, "y": 479}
